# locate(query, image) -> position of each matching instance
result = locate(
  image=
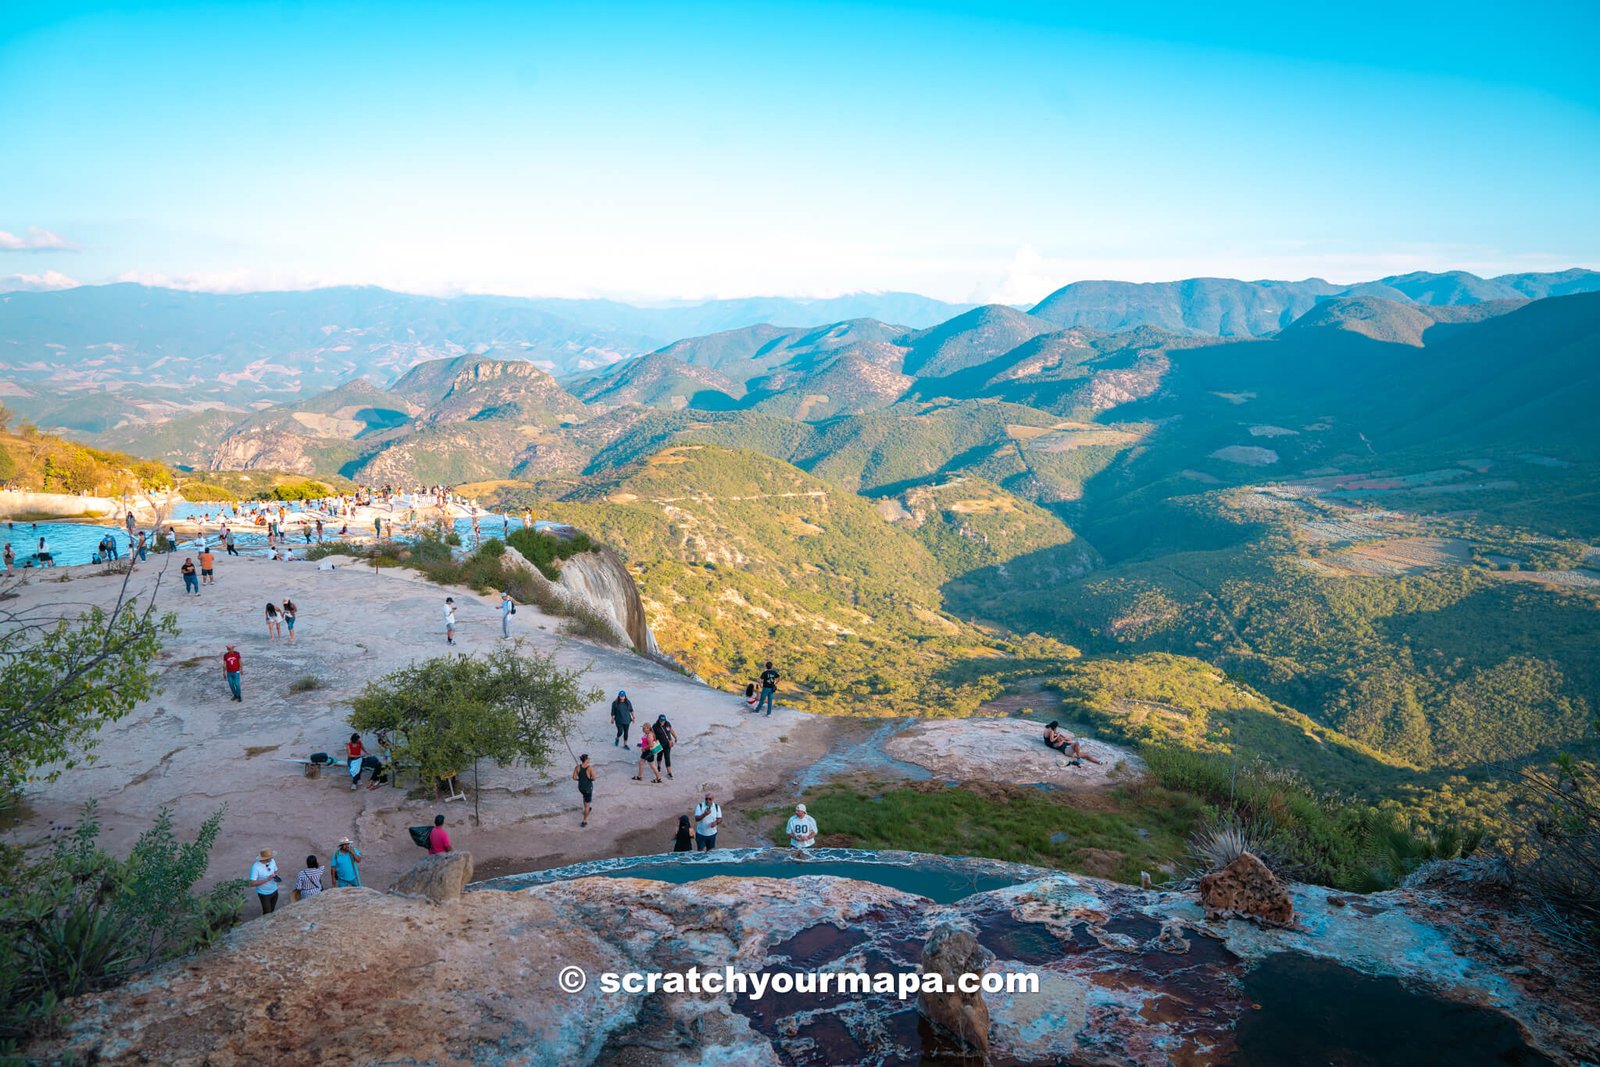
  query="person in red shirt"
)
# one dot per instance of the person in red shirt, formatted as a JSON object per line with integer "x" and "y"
{"x": 232, "y": 668}
{"x": 352, "y": 754}
{"x": 438, "y": 837}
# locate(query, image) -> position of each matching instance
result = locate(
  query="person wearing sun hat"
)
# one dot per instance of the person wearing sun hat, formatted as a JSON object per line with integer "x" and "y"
{"x": 264, "y": 880}
{"x": 347, "y": 864}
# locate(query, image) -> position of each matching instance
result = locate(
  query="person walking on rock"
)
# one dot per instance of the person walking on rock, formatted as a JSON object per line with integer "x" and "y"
{"x": 449, "y": 620}
{"x": 232, "y": 669}
{"x": 191, "y": 579}
{"x": 274, "y": 623}
{"x": 308, "y": 883}
{"x": 769, "y": 688}
{"x": 684, "y": 841}
{"x": 347, "y": 864}
{"x": 583, "y": 774}
{"x": 11, "y": 559}
{"x": 289, "y": 611}
{"x": 438, "y": 837}
{"x": 227, "y": 540}
{"x": 208, "y": 564}
{"x": 144, "y": 547}
{"x": 622, "y": 716}
{"x": 707, "y": 817}
{"x": 668, "y": 737}
{"x": 508, "y": 608}
{"x": 801, "y": 828}
{"x": 264, "y": 880}
{"x": 649, "y": 754}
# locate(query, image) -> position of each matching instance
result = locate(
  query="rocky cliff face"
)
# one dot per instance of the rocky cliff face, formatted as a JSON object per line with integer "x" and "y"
{"x": 600, "y": 580}
{"x": 1438, "y": 972}
{"x": 262, "y": 449}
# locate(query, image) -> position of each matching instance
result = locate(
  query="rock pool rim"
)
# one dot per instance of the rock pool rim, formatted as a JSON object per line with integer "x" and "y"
{"x": 999, "y": 873}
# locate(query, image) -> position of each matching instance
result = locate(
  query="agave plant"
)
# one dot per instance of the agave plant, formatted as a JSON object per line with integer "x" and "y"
{"x": 1224, "y": 838}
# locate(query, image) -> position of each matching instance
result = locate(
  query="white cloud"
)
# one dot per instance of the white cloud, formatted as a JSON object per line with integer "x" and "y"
{"x": 231, "y": 281}
{"x": 37, "y": 240}
{"x": 50, "y": 279}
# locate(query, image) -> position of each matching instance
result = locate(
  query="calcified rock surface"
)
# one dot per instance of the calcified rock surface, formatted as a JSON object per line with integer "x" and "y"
{"x": 600, "y": 580}
{"x": 1008, "y": 750}
{"x": 1126, "y": 976}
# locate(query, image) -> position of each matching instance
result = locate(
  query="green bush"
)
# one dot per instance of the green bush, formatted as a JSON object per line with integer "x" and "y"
{"x": 305, "y": 684}
{"x": 543, "y": 550}
{"x": 306, "y": 490}
{"x": 335, "y": 548}
{"x": 81, "y": 919}
{"x": 1316, "y": 837}
{"x": 585, "y": 621}
{"x": 207, "y": 491}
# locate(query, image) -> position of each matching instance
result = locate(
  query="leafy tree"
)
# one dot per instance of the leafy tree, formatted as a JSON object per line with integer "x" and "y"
{"x": 66, "y": 679}
{"x": 306, "y": 490}
{"x": 445, "y": 713}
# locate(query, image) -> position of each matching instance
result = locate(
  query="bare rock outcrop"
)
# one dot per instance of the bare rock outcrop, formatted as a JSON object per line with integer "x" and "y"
{"x": 599, "y": 580}
{"x": 437, "y": 878}
{"x": 1122, "y": 976}
{"x": 961, "y": 1017}
{"x": 1246, "y": 889}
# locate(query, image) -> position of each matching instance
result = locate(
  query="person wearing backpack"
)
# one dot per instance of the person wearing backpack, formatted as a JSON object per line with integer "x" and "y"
{"x": 439, "y": 839}
{"x": 707, "y": 818}
{"x": 667, "y": 737}
{"x": 308, "y": 883}
{"x": 508, "y": 608}
{"x": 769, "y": 688}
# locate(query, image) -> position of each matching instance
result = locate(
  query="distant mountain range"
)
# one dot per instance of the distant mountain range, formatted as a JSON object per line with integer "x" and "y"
{"x": 96, "y": 358}
{"x": 1383, "y": 513}
{"x": 1224, "y": 307}
{"x": 140, "y": 367}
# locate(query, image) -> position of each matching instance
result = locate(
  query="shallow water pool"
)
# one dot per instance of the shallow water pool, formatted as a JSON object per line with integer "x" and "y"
{"x": 943, "y": 881}
{"x": 1316, "y": 1011}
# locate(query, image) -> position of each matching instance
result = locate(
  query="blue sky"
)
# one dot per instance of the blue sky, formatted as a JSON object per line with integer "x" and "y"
{"x": 655, "y": 151}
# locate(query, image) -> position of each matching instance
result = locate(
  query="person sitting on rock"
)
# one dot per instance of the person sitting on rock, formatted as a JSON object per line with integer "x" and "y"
{"x": 1066, "y": 744}
{"x": 373, "y": 766}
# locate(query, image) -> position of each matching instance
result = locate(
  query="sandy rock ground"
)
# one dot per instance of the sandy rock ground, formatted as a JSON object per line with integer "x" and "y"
{"x": 1008, "y": 750}
{"x": 194, "y": 750}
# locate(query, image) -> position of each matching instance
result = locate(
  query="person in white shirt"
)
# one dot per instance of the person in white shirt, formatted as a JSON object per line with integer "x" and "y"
{"x": 707, "y": 817}
{"x": 449, "y": 620}
{"x": 802, "y": 828}
{"x": 264, "y": 880}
